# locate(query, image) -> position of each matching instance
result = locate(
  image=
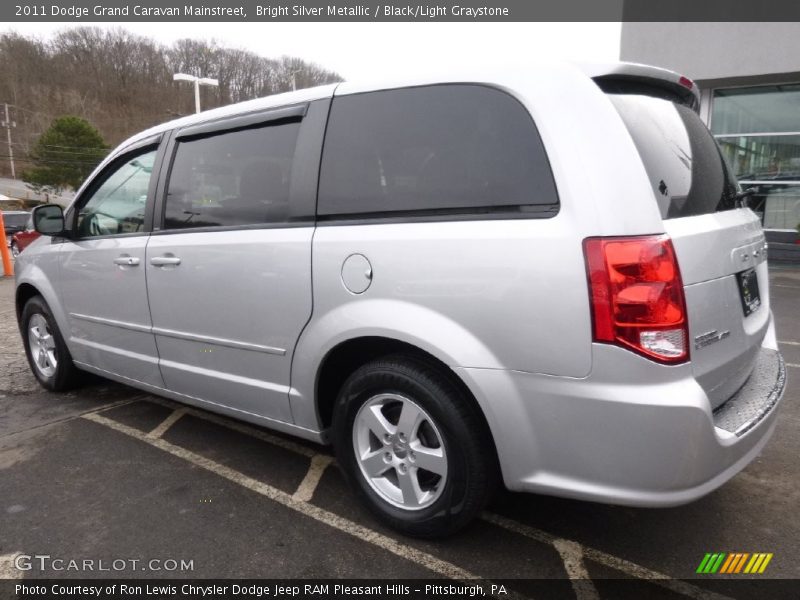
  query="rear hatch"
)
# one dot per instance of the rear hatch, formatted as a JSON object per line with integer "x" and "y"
{"x": 719, "y": 243}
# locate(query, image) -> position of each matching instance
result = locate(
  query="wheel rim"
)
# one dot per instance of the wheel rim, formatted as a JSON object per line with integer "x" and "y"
{"x": 43, "y": 345}
{"x": 400, "y": 451}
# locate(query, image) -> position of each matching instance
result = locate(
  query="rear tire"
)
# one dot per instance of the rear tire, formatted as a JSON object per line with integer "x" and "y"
{"x": 413, "y": 447}
{"x": 47, "y": 353}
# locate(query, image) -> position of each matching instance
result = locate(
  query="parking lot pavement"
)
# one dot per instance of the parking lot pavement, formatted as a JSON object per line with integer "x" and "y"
{"x": 108, "y": 472}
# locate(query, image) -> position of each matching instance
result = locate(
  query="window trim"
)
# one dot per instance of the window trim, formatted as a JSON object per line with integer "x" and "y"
{"x": 253, "y": 120}
{"x": 121, "y": 157}
{"x": 469, "y": 213}
{"x": 312, "y": 117}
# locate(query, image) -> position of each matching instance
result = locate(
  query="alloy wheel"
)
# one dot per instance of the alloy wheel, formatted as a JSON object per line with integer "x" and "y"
{"x": 400, "y": 451}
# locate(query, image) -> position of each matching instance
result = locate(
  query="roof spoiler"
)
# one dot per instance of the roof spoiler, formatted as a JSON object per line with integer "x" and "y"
{"x": 632, "y": 78}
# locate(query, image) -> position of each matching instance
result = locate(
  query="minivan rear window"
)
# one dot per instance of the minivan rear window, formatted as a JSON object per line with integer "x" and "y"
{"x": 458, "y": 148}
{"x": 688, "y": 172}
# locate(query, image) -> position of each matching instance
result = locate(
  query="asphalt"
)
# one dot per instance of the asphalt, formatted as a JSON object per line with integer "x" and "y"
{"x": 84, "y": 476}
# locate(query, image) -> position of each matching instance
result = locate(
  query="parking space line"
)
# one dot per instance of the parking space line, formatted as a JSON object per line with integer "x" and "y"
{"x": 71, "y": 417}
{"x": 305, "y": 491}
{"x": 608, "y": 560}
{"x": 789, "y": 343}
{"x": 238, "y": 426}
{"x": 793, "y": 365}
{"x": 162, "y": 427}
{"x": 423, "y": 559}
{"x": 7, "y": 569}
{"x": 572, "y": 555}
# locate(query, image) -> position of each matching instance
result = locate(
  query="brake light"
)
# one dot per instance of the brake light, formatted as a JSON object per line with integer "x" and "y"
{"x": 686, "y": 82}
{"x": 636, "y": 296}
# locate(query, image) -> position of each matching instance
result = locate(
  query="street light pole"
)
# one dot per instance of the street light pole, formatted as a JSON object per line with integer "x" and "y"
{"x": 198, "y": 81}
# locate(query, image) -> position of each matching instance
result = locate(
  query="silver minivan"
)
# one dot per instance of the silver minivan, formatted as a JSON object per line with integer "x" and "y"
{"x": 546, "y": 277}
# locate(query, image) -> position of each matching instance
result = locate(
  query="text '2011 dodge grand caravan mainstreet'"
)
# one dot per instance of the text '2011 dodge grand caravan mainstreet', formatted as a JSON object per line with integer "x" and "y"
{"x": 548, "y": 276}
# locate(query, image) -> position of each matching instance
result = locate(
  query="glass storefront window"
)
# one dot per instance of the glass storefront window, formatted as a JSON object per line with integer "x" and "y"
{"x": 758, "y": 130}
{"x": 763, "y": 157}
{"x": 778, "y": 205}
{"x": 763, "y": 109}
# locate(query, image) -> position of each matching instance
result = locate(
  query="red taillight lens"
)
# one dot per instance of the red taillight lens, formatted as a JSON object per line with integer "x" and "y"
{"x": 637, "y": 297}
{"x": 686, "y": 82}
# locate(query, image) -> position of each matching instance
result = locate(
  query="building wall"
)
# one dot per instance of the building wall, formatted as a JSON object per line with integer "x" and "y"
{"x": 716, "y": 52}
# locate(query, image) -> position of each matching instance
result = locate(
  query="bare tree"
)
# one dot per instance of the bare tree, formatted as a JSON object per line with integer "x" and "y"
{"x": 122, "y": 82}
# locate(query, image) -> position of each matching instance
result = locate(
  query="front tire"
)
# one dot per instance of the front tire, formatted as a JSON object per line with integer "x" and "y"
{"x": 413, "y": 447}
{"x": 47, "y": 353}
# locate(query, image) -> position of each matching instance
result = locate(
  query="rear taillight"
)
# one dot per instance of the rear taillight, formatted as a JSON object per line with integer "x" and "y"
{"x": 637, "y": 297}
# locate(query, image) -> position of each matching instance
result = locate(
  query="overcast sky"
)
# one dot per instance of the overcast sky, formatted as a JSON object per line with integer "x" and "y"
{"x": 362, "y": 50}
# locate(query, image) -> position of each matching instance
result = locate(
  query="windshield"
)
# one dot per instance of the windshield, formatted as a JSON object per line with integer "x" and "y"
{"x": 686, "y": 168}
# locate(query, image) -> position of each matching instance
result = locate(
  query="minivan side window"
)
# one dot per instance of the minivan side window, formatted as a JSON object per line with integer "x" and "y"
{"x": 443, "y": 149}
{"x": 118, "y": 204}
{"x": 232, "y": 178}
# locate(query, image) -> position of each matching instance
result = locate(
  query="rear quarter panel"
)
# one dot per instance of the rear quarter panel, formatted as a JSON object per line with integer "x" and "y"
{"x": 494, "y": 294}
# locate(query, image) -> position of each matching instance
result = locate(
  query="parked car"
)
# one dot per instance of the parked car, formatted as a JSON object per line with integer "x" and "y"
{"x": 21, "y": 239}
{"x": 14, "y": 221}
{"x": 543, "y": 276}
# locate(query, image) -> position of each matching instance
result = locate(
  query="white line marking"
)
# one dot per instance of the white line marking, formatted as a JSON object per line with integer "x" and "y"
{"x": 305, "y": 491}
{"x": 572, "y": 555}
{"x": 789, "y": 343}
{"x": 620, "y": 564}
{"x": 240, "y": 427}
{"x": 793, "y": 365}
{"x": 599, "y": 556}
{"x": 423, "y": 559}
{"x": 7, "y": 569}
{"x": 164, "y": 426}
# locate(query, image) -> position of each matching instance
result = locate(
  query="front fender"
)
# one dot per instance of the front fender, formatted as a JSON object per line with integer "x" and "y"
{"x": 39, "y": 269}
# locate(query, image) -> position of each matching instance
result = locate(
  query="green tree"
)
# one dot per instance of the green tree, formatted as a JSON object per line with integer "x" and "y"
{"x": 65, "y": 154}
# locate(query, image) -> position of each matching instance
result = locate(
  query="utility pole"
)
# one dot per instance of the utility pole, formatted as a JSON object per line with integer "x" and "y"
{"x": 8, "y": 125}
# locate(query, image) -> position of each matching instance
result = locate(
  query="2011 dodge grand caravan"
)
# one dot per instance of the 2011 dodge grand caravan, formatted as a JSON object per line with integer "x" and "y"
{"x": 548, "y": 276}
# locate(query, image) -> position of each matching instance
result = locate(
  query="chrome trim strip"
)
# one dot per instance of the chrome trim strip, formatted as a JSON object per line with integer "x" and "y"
{"x": 181, "y": 335}
{"x": 112, "y": 322}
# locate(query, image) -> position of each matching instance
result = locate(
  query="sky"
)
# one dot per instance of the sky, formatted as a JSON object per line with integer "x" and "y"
{"x": 364, "y": 50}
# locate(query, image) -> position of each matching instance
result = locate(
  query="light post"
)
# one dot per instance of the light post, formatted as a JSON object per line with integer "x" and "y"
{"x": 293, "y": 75}
{"x": 198, "y": 81}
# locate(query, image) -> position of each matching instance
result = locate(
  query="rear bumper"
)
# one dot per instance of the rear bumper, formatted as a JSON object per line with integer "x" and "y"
{"x": 652, "y": 441}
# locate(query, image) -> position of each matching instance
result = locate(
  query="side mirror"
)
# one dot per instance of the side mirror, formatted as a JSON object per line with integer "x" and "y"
{"x": 48, "y": 219}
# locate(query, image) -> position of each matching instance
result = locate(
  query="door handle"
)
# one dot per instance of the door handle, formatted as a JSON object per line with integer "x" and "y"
{"x": 126, "y": 261}
{"x": 164, "y": 261}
